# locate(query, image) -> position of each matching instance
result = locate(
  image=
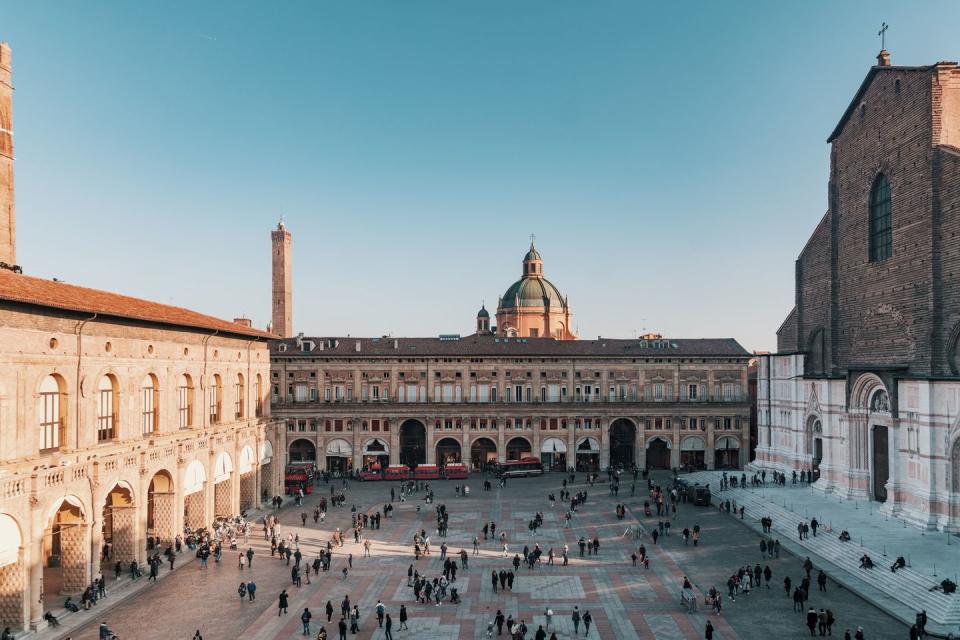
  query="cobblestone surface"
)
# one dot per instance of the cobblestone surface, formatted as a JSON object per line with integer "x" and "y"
{"x": 625, "y": 602}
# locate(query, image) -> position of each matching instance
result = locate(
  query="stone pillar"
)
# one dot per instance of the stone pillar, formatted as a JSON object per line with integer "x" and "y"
{"x": 571, "y": 443}
{"x": 96, "y": 546}
{"x": 124, "y": 534}
{"x": 674, "y": 449}
{"x": 465, "y": 450}
{"x": 35, "y": 560}
{"x": 73, "y": 556}
{"x": 604, "y": 438}
{"x": 710, "y": 450}
{"x": 501, "y": 443}
{"x": 164, "y": 509}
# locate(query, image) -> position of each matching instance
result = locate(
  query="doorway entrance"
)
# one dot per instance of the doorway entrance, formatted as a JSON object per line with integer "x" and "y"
{"x": 881, "y": 463}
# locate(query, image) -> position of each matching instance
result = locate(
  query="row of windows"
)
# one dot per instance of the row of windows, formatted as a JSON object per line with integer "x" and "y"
{"x": 545, "y": 424}
{"x": 52, "y": 406}
{"x": 655, "y": 392}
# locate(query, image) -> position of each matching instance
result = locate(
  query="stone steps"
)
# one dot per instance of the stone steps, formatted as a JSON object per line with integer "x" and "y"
{"x": 906, "y": 586}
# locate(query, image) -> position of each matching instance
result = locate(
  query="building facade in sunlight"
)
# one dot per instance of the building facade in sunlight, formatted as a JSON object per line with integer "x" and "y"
{"x": 865, "y": 388}
{"x": 524, "y": 388}
{"x": 122, "y": 421}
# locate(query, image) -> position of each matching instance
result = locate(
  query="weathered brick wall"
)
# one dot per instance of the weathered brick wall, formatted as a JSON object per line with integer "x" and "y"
{"x": 883, "y": 309}
{"x": 813, "y": 299}
{"x": 947, "y": 358}
{"x": 787, "y": 335}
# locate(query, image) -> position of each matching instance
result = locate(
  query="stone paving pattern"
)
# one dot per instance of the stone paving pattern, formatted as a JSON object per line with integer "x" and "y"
{"x": 625, "y": 602}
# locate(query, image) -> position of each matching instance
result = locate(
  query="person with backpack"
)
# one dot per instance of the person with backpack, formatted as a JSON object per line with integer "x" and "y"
{"x": 305, "y": 619}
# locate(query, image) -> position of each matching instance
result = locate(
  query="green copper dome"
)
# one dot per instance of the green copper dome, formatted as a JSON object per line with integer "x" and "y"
{"x": 483, "y": 313}
{"x": 533, "y": 254}
{"x": 532, "y": 292}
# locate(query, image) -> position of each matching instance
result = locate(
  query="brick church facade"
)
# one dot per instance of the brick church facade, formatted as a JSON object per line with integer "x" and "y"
{"x": 865, "y": 388}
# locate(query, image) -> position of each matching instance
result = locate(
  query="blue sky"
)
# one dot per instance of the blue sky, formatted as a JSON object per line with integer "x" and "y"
{"x": 670, "y": 157}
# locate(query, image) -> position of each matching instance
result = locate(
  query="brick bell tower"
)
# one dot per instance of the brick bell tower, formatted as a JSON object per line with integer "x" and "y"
{"x": 8, "y": 230}
{"x": 282, "y": 253}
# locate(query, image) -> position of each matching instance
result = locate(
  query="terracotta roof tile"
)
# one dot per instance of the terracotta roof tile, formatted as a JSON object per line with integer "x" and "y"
{"x": 59, "y": 295}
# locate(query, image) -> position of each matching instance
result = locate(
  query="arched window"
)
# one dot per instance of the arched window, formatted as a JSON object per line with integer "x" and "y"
{"x": 106, "y": 409}
{"x": 149, "y": 415}
{"x": 185, "y": 401}
{"x": 50, "y": 413}
{"x": 240, "y": 391}
{"x": 216, "y": 398}
{"x": 259, "y": 392}
{"x": 881, "y": 222}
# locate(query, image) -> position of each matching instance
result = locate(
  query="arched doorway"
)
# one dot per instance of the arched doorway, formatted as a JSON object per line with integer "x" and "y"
{"x": 161, "y": 501}
{"x": 553, "y": 454}
{"x": 66, "y": 552}
{"x": 726, "y": 453}
{"x": 248, "y": 478}
{"x": 302, "y": 450}
{"x": 339, "y": 457}
{"x": 413, "y": 443}
{"x": 623, "y": 437}
{"x": 223, "y": 486}
{"x": 119, "y": 526}
{"x": 879, "y": 435}
{"x": 194, "y": 495}
{"x": 518, "y": 448}
{"x": 658, "y": 453}
{"x": 483, "y": 452}
{"x": 588, "y": 455}
{"x": 11, "y": 573}
{"x": 448, "y": 450}
{"x": 692, "y": 453}
{"x": 376, "y": 455}
{"x": 815, "y": 444}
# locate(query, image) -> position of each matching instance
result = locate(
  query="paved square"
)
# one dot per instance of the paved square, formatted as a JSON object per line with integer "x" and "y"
{"x": 625, "y": 602}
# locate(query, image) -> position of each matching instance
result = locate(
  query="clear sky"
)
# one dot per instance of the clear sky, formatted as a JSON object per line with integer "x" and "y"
{"x": 670, "y": 157}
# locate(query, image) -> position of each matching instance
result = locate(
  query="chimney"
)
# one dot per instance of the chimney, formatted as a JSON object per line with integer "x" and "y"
{"x": 243, "y": 322}
{"x": 883, "y": 58}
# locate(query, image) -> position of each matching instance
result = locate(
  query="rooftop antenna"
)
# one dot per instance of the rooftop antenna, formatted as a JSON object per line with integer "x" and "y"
{"x": 883, "y": 35}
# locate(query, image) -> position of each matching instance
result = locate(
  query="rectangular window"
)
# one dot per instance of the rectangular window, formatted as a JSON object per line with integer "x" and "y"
{"x": 508, "y": 394}
{"x": 375, "y": 392}
{"x": 105, "y": 417}
{"x": 148, "y": 414}
{"x": 727, "y": 391}
{"x": 184, "y": 411}
{"x": 716, "y": 392}
{"x": 518, "y": 390}
{"x": 692, "y": 391}
{"x": 300, "y": 392}
{"x": 529, "y": 394}
{"x": 326, "y": 394}
{"x": 493, "y": 393}
{"x": 313, "y": 394}
{"x": 350, "y": 393}
{"x": 658, "y": 391}
{"x": 483, "y": 393}
{"x": 238, "y": 392}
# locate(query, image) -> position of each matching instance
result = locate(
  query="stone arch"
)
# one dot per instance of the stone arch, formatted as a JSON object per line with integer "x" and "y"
{"x": 658, "y": 452}
{"x": 413, "y": 443}
{"x": 302, "y": 450}
{"x": 483, "y": 451}
{"x": 12, "y": 572}
{"x": 376, "y": 453}
{"x": 870, "y": 398}
{"x": 587, "y": 454}
{"x": 119, "y": 524}
{"x": 66, "y": 549}
{"x": 448, "y": 450}
{"x": 518, "y": 447}
{"x": 161, "y": 502}
{"x": 623, "y": 442}
{"x": 194, "y": 492}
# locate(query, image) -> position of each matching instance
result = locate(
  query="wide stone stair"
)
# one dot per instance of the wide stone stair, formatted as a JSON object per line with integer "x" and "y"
{"x": 901, "y": 594}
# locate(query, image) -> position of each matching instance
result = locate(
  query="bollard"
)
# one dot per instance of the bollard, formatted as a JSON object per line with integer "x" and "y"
{"x": 861, "y": 541}
{"x": 934, "y": 569}
{"x": 884, "y": 551}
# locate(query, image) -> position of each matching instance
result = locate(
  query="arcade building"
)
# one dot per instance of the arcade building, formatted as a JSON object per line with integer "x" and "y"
{"x": 508, "y": 392}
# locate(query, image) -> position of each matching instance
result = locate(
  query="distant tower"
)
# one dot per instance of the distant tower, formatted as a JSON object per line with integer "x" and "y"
{"x": 483, "y": 321}
{"x": 8, "y": 230}
{"x": 282, "y": 245}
